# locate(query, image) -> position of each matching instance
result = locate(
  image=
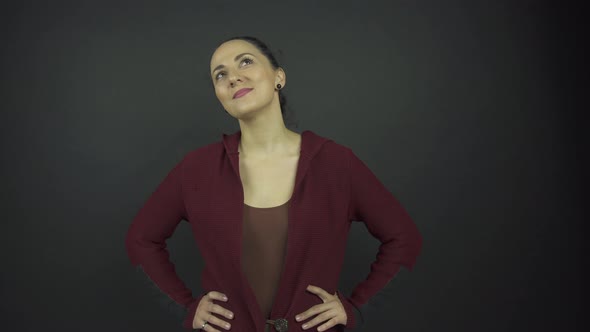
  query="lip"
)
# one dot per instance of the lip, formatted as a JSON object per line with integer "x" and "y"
{"x": 242, "y": 92}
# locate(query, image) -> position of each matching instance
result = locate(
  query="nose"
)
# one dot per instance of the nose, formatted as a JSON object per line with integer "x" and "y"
{"x": 233, "y": 78}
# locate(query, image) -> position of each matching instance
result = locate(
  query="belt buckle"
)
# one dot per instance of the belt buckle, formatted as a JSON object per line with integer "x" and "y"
{"x": 281, "y": 324}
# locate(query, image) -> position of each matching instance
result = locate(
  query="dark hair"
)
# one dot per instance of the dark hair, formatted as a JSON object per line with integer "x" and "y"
{"x": 264, "y": 49}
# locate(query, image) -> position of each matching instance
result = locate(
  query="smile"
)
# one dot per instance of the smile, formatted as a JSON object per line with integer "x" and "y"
{"x": 241, "y": 93}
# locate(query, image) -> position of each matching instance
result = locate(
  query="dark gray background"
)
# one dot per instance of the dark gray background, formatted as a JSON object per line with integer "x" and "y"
{"x": 468, "y": 111}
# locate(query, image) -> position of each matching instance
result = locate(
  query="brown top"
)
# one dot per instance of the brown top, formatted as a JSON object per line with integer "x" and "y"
{"x": 264, "y": 248}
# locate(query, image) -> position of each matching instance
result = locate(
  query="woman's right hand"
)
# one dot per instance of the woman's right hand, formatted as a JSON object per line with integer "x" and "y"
{"x": 206, "y": 309}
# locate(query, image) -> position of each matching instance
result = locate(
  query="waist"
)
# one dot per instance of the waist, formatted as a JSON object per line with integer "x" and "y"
{"x": 280, "y": 325}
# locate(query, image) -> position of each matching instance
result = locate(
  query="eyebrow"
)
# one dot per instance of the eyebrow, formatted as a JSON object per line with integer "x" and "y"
{"x": 235, "y": 59}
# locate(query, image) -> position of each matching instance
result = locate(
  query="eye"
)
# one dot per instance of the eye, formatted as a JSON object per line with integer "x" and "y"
{"x": 222, "y": 72}
{"x": 250, "y": 60}
{"x": 217, "y": 76}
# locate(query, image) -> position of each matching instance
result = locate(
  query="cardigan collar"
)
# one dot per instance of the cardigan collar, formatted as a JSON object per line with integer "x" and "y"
{"x": 310, "y": 142}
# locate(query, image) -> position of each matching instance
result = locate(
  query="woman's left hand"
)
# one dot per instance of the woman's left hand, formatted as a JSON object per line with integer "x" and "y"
{"x": 331, "y": 311}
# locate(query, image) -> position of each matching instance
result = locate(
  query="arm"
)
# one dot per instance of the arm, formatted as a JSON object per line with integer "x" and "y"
{"x": 176, "y": 309}
{"x": 385, "y": 218}
{"x": 146, "y": 245}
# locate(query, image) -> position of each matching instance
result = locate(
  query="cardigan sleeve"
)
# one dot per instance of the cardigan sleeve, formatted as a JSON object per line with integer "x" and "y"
{"x": 146, "y": 246}
{"x": 183, "y": 314}
{"x": 387, "y": 220}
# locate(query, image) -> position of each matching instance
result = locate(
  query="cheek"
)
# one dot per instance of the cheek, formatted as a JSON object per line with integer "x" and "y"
{"x": 219, "y": 93}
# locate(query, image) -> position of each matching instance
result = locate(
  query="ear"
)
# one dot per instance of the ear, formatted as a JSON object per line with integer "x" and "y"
{"x": 281, "y": 77}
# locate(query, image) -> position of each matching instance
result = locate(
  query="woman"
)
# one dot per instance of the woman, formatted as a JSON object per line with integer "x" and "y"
{"x": 270, "y": 211}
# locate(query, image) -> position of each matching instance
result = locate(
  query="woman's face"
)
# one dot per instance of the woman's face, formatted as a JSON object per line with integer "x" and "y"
{"x": 237, "y": 65}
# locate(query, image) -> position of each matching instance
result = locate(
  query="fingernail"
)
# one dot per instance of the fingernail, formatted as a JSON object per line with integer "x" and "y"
{"x": 297, "y": 318}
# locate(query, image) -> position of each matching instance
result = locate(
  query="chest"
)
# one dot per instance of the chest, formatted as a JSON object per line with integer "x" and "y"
{"x": 268, "y": 183}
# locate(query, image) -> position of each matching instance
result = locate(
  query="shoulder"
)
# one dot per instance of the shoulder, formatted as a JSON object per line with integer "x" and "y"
{"x": 332, "y": 146}
{"x": 202, "y": 155}
{"x": 330, "y": 151}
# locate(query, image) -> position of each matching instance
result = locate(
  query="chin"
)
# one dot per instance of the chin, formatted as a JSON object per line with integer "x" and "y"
{"x": 245, "y": 108}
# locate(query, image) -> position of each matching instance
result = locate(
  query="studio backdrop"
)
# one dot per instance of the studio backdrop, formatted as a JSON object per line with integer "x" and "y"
{"x": 464, "y": 110}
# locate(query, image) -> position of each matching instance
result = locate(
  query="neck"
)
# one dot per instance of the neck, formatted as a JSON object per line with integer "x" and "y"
{"x": 264, "y": 142}
{"x": 264, "y": 135}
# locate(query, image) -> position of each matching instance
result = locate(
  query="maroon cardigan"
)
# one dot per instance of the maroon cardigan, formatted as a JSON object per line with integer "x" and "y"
{"x": 333, "y": 187}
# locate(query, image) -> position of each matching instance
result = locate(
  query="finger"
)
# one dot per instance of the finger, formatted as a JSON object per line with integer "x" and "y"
{"x": 216, "y": 308}
{"x": 213, "y": 320}
{"x": 208, "y": 316}
{"x": 215, "y": 295}
{"x": 332, "y": 322}
{"x": 322, "y": 317}
{"x": 209, "y": 328}
{"x": 316, "y": 309}
{"x": 325, "y": 296}
{"x": 206, "y": 306}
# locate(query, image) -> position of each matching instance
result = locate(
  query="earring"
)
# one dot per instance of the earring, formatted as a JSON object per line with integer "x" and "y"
{"x": 278, "y": 86}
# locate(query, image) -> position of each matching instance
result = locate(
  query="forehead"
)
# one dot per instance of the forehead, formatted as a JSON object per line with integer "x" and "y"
{"x": 226, "y": 52}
